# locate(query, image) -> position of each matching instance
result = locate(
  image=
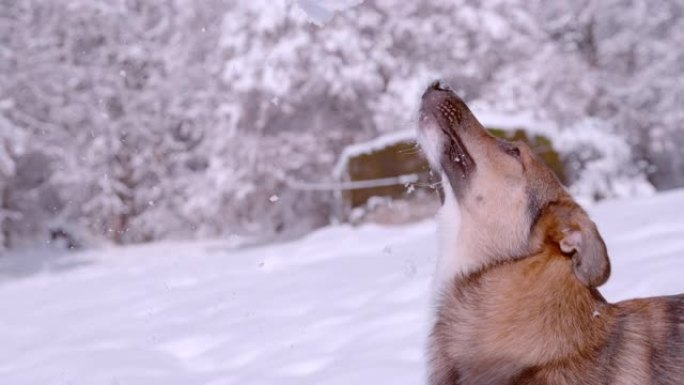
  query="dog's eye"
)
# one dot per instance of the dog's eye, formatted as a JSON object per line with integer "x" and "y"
{"x": 510, "y": 149}
{"x": 513, "y": 151}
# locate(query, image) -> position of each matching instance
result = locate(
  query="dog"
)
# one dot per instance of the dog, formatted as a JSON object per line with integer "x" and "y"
{"x": 519, "y": 269}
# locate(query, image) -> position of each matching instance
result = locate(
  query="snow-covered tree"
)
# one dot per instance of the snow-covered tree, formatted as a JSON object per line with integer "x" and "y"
{"x": 141, "y": 120}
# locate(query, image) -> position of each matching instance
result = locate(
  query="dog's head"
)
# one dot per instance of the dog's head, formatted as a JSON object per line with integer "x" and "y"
{"x": 511, "y": 204}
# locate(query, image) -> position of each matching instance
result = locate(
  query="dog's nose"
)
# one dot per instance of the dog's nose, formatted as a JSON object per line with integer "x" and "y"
{"x": 436, "y": 93}
{"x": 437, "y": 87}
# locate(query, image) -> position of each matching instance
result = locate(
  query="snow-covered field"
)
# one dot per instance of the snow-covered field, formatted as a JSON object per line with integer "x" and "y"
{"x": 341, "y": 306}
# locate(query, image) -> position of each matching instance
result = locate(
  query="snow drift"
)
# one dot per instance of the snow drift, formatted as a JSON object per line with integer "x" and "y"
{"x": 341, "y": 306}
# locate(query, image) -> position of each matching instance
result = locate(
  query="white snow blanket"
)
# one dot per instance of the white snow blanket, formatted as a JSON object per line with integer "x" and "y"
{"x": 341, "y": 306}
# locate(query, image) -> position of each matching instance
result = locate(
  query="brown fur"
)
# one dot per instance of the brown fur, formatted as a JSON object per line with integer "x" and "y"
{"x": 528, "y": 312}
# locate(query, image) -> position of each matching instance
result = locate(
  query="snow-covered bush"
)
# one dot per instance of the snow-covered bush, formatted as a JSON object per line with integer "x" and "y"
{"x": 601, "y": 163}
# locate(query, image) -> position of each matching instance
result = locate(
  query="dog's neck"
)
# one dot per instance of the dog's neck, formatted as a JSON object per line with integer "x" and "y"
{"x": 449, "y": 222}
{"x": 500, "y": 312}
{"x": 469, "y": 243}
{"x": 458, "y": 254}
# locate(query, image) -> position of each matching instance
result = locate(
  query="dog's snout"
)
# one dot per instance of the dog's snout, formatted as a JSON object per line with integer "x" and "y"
{"x": 436, "y": 94}
{"x": 440, "y": 100}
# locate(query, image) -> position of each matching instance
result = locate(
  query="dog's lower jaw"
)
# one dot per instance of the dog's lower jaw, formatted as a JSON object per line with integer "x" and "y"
{"x": 431, "y": 140}
{"x": 450, "y": 262}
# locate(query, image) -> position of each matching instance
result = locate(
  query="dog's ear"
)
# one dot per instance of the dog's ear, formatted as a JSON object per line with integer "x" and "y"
{"x": 582, "y": 240}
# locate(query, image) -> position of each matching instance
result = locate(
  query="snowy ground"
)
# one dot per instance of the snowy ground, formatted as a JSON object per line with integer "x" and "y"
{"x": 342, "y": 306}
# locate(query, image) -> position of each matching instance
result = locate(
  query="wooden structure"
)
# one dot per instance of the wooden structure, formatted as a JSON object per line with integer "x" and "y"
{"x": 397, "y": 164}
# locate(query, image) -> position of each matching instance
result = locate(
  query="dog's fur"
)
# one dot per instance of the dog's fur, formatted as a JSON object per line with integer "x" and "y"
{"x": 519, "y": 269}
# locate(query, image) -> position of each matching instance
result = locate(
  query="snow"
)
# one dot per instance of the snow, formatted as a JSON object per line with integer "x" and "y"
{"x": 343, "y": 305}
{"x": 320, "y": 12}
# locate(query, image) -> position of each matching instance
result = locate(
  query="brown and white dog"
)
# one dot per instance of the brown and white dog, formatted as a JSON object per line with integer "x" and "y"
{"x": 520, "y": 264}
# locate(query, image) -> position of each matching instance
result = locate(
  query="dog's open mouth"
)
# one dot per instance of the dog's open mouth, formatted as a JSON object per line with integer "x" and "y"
{"x": 442, "y": 120}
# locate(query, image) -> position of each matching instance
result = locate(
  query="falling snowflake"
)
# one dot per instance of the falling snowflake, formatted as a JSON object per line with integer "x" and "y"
{"x": 410, "y": 269}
